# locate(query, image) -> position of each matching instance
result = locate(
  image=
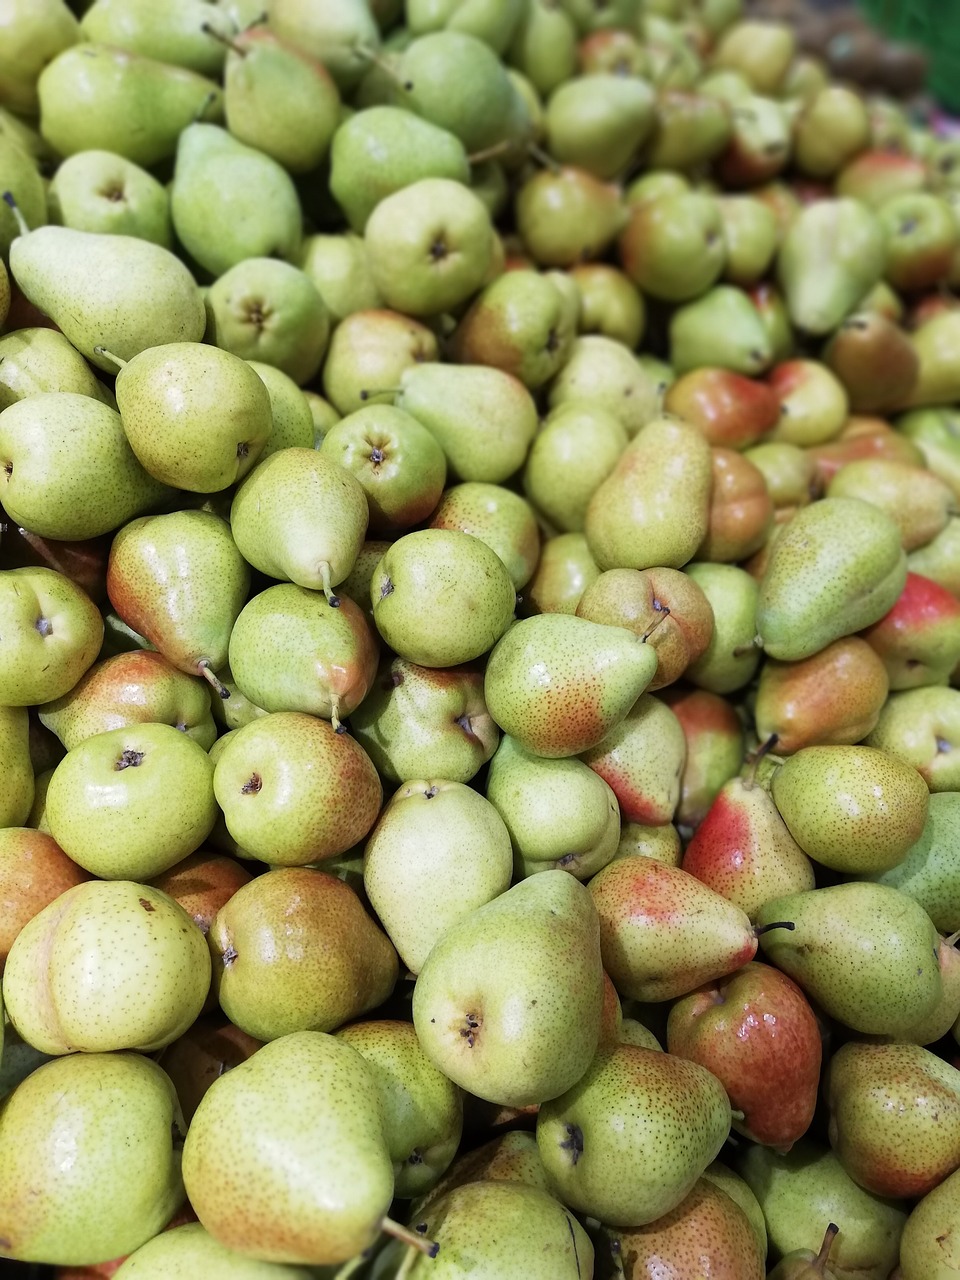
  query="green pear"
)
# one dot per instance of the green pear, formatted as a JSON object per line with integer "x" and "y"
{"x": 183, "y": 32}
{"x": 837, "y": 567}
{"x": 441, "y": 597}
{"x": 692, "y": 128}
{"x": 805, "y": 1190}
{"x": 751, "y": 234}
{"x": 731, "y": 657}
{"x": 937, "y": 560}
{"x": 294, "y": 950}
{"x": 508, "y": 1002}
{"x": 107, "y": 803}
{"x": 430, "y": 837}
{"x": 610, "y": 303}
{"x": 511, "y": 1157}
{"x": 93, "y": 288}
{"x": 628, "y": 1142}
{"x": 372, "y": 349}
{"x": 500, "y": 518}
{"x": 674, "y": 247}
{"x": 290, "y": 412}
{"x": 21, "y": 178}
{"x": 179, "y": 581}
{"x": 339, "y": 33}
{"x": 937, "y": 433}
{"x": 338, "y": 268}
{"x": 102, "y": 192}
{"x": 853, "y": 808}
{"x": 928, "y": 1249}
{"x": 384, "y": 149}
{"x": 935, "y": 343}
{"x": 266, "y": 310}
{"x": 642, "y": 759}
{"x": 119, "y": 1115}
{"x": 543, "y": 46}
{"x": 52, "y": 633}
{"x": 458, "y": 83}
{"x": 722, "y": 328}
{"x": 833, "y": 253}
{"x": 16, "y": 771}
{"x": 492, "y": 23}
{"x": 565, "y": 570}
{"x": 191, "y": 1250}
{"x": 230, "y": 202}
{"x": 804, "y": 1264}
{"x": 68, "y": 469}
{"x": 94, "y": 97}
{"x": 599, "y": 122}
{"x": 566, "y": 216}
{"x": 867, "y": 953}
{"x": 249, "y": 1145}
{"x": 235, "y": 711}
{"x": 920, "y": 727}
{"x": 575, "y": 450}
{"x": 919, "y": 502}
{"x": 559, "y": 813}
{"x": 323, "y": 414}
{"x": 33, "y": 35}
{"x": 68, "y": 983}
{"x": 653, "y": 507}
{"x": 603, "y": 372}
{"x": 661, "y": 843}
{"x": 927, "y": 873}
{"x": 36, "y": 360}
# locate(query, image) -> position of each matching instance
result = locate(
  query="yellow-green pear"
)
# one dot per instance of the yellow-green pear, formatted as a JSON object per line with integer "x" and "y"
{"x": 182, "y": 32}
{"x": 38, "y": 360}
{"x": 103, "y": 192}
{"x": 606, "y": 374}
{"x": 192, "y": 1250}
{"x": 16, "y": 771}
{"x": 930, "y": 1243}
{"x": 52, "y": 632}
{"x": 34, "y": 32}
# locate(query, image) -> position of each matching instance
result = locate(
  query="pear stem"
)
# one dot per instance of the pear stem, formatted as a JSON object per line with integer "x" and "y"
{"x": 404, "y": 1234}
{"x": 335, "y": 714}
{"x": 207, "y": 672}
{"x": 952, "y": 940}
{"x": 207, "y": 30}
{"x": 332, "y": 600}
{"x": 102, "y": 351}
{"x": 738, "y": 1115}
{"x": 350, "y": 1267}
{"x": 760, "y": 929}
{"x": 22, "y": 228}
{"x": 765, "y": 747}
{"x": 367, "y": 392}
{"x": 543, "y": 158}
{"x": 830, "y": 1235}
{"x": 376, "y": 60}
{"x": 489, "y": 153}
{"x": 204, "y": 106}
{"x": 664, "y": 615}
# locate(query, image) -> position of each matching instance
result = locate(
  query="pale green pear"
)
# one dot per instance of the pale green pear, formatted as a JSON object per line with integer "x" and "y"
{"x": 722, "y": 328}
{"x": 119, "y": 1116}
{"x": 230, "y": 202}
{"x": 558, "y": 684}
{"x": 372, "y": 349}
{"x": 68, "y": 469}
{"x": 16, "y": 771}
{"x": 500, "y": 518}
{"x": 52, "y": 632}
{"x": 191, "y": 1250}
{"x": 250, "y": 1145}
{"x": 431, "y": 836}
{"x": 833, "y": 253}
{"x": 751, "y": 233}
{"x": 182, "y": 32}
{"x": 643, "y": 759}
{"x": 34, "y": 32}
{"x": 544, "y": 46}
{"x": 338, "y": 268}
{"x": 458, "y": 83}
{"x": 731, "y": 658}
{"x": 867, "y": 953}
{"x": 102, "y": 192}
{"x": 508, "y": 1002}
{"x": 599, "y": 122}
{"x": 94, "y": 97}
{"x": 494, "y": 23}
{"x": 837, "y": 567}
{"x": 21, "y": 178}
{"x": 920, "y": 727}
{"x": 339, "y": 33}
{"x": 575, "y": 450}
{"x": 639, "y": 840}
{"x": 606, "y": 374}
{"x": 36, "y": 360}
{"x": 928, "y": 873}
{"x": 559, "y": 813}
{"x": 292, "y": 419}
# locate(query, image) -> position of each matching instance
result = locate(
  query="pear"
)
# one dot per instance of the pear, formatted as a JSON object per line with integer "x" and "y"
{"x": 804, "y": 1264}
{"x": 184, "y": 32}
{"x": 441, "y": 597}
{"x": 558, "y": 684}
{"x": 294, "y": 950}
{"x": 599, "y": 122}
{"x": 565, "y": 216}
{"x": 213, "y": 172}
{"x": 722, "y": 328}
{"x": 98, "y": 97}
{"x": 457, "y": 82}
{"x": 723, "y": 1177}
{"x": 102, "y": 192}
{"x": 653, "y": 507}
{"x": 928, "y": 1244}
{"x": 52, "y": 632}
{"x": 574, "y": 451}
{"x": 837, "y": 567}
{"x": 27, "y": 197}
{"x": 521, "y": 324}
{"x": 160, "y": 580}
{"x": 610, "y": 304}
{"x": 731, "y": 657}
{"x": 34, "y": 34}
{"x": 604, "y": 373}
{"x": 16, "y": 771}
{"x": 121, "y": 1117}
{"x": 498, "y": 517}
{"x": 429, "y": 836}
{"x": 565, "y": 569}
{"x": 937, "y": 559}
{"x": 249, "y": 1146}
{"x": 927, "y": 873}
{"x": 373, "y": 349}
{"x": 512, "y": 1157}
{"x": 559, "y": 813}
{"x": 918, "y": 501}
{"x": 190, "y": 1249}
{"x": 919, "y": 726}
{"x": 692, "y": 129}
{"x": 337, "y": 265}
{"x": 661, "y": 843}
{"x": 673, "y": 247}
{"x": 339, "y": 33}
{"x": 34, "y": 871}
{"x": 832, "y": 255}
{"x": 642, "y": 759}
{"x": 866, "y": 953}
{"x": 508, "y": 1002}
{"x": 935, "y": 344}
{"x": 92, "y": 286}
{"x": 259, "y": 768}
{"x": 39, "y": 360}
{"x": 751, "y": 235}
{"x": 543, "y": 46}
{"x": 628, "y": 1142}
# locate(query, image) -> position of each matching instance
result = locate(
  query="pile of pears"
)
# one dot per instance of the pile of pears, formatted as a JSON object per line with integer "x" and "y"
{"x": 479, "y": 648}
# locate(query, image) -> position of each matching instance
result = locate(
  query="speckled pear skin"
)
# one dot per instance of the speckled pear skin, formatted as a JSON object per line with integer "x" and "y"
{"x": 191, "y": 1250}
{"x": 836, "y": 568}
{"x": 865, "y": 953}
{"x": 642, "y": 758}
{"x": 738, "y": 1191}
{"x": 300, "y": 1174}
{"x": 559, "y": 684}
{"x": 930, "y": 872}
{"x": 508, "y": 1003}
{"x": 297, "y": 512}
{"x": 294, "y": 950}
{"x": 511, "y": 1157}
{"x": 628, "y": 1142}
{"x": 930, "y": 1244}
{"x": 180, "y": 581}
{"x": 119, "y": 1117}
{"x": 706, "y": 1229}
{"x": 108, "y": 965}
{"x": 853, "y": 808}
{"x": 653, "y": 509}
{"x": 16, "y": 772}
{"x": 894, "y": 1117}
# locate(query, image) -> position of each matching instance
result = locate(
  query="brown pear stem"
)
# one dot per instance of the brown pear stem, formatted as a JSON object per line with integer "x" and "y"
{"x": 367, "y": 392}
{"x": 760, "y": 929}
{"x": 829, "y": 1236}
{"x": 102, "y": 351}
{"x": 664, "y": 615}
{"x": 404, "y": 1234}
{"x": 335, "y": 714}
{"x": 207, "y": 30}
{"x": 203, "y": 666}
{"x": 332, "y": 600}
{"x": 764, "y": 749}
{"x": 489, "y": 153}
{"x": 9, "y": 199}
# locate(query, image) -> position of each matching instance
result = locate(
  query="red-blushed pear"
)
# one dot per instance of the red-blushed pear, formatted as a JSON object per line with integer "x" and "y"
{"x": 894, "y": 1117}
{"x": 715, "y": 746}
{"x": 34, "y": 871}
{"x": 368, "y": 353}
{"x": 758, "y": 1035}
{"x": 663, "y": 933}
{"x": 565, "y": 570}
{"x": 922, "y": 236}
{"x": 875, "y": 361}
{"x": 205, "y": 1052}
{"x": 862, "y": 437}
{"x": 813, "y": 403}
{"x": 642, "y": 760}
{"x": 497, "y": 516}
{"x": 629, "y": 1141}
{"x": 663, "y": 606}
{"x": 201, "y": 883}
{"x": 917, "y": 500}
{"x": 918, "y": 640}
{"x": 759, "y": 145}
{"x": 876, "y": 176}
{"x": 741, "y": 509}
{"x": 922, "y": 728}
{"x": 595, "y": 672}
{"x": 294, "y": 950}
{"x": 616, "y": 51}
{"x": 566, "y": 215}
{"x": 729, "y": 408}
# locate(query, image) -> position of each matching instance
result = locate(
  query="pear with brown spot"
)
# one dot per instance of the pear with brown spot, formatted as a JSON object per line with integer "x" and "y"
{"x": 804, "y": 1264}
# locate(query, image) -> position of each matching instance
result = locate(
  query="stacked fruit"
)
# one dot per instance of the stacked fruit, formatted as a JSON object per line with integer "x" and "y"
{"x": 479, "y": 629}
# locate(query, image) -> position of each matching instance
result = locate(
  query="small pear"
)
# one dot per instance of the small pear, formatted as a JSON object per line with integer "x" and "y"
{"x": 603, "y": 372}
{"x": 190, "y": 1249}
{"x": 721, "y": 328}
{"x": 642, "y": 760}
{"x": 927, "y": 874}
{"x": 565, "y": 569}
{"x": 804, "y": 1264}
{"x": 674, "y": 247}
{"x": 102, "y": 192}
{"x": 565, "y": 216}
{"x": 498, "y": 517}
{"x": 599, "y": 122}
{"x": 919, "y": 726}
{"x": 832, "y": 254}
{"x": 52, "y": 632}
{"x": 731, "y": 657}
{"x": 40, "y": 360}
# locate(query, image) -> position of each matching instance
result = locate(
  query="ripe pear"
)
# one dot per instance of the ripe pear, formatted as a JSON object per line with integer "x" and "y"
{"x": 917, "y": 500}
{"x": 920, "y": 727}
{"x": 102, "y": 192}
{"x": 642, "y": 760}
{"x": 52, "y": 632}
{"x": 661, "y": 843}
{"x": 543, "y": 46}
{"x": 458, "y": 83}
{"x": 673, "y": 247}
{"x": 723, "y": 1177}
{"x": 837, "y": 567}
{"x": 533, "y": 1037}
{"x": 184, "y": 32}
{"x": 108, "y": 965}
{"x": 498, "y": 517}
{"x": 16, "y": 771}
{"x": 39, "y": 360}
{"x": 119, "y": 1114}
{"x": 294, "y": 950}
{"x": 249, "y": 1146}
{"x": 33, "y": 35}
{"x": 867, "y": 953}
{"x": 832, "y": 255}
{"x": 191, "y": 1250}
{"x": 372, "y": 349}
{"x": 604, "y": 373}
{"x": 927, "y": 874}
{"x": 92, "y": 287}
{"x": 566, "y": 216}
{"x": 721, "y": 328}
{"x": 928, "y": 1248}
{"x": 431, "y": 835}
{"x": 294, "y": 791}
{"x": 610, "y": 304}
{"x": 599, "y": 122}
{"x": 731, "y": 657}
{"x": 559, "y": 684}
{"x": 34, "y": 871}
{"x": 565, "y": 569}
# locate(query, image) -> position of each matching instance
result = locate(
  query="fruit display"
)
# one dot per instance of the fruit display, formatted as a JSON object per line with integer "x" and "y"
{"x": 479, "y": 646}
